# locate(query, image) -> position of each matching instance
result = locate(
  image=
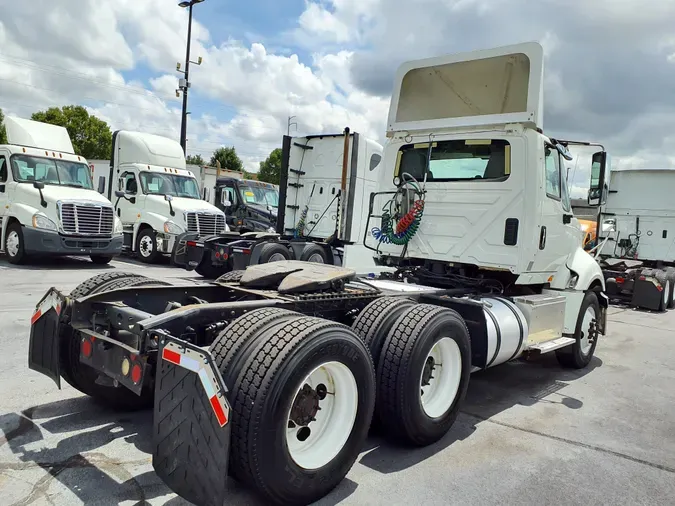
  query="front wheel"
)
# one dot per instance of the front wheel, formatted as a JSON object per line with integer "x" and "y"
{"x": 579, "y": 354}
{"x": 146, "y": 246}
{"x": 14, "y": 244}
{"x": 303, "y": 405}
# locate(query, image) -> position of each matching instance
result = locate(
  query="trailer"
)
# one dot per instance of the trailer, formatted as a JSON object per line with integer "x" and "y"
{"x": 319, "y": 213}
{"x": 636, "y": 238}
{"x": 274, "y": 373}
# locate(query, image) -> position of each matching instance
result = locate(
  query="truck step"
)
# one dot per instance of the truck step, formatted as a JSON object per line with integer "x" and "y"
{"x": 555, "y": 344}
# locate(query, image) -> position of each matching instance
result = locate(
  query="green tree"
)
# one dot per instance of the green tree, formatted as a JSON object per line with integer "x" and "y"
{"x": 270, "y": 169}
{"x": 228, "y": 159}
{"x": 91, "y": 137}
{"x": 3, "y": 131}
{"x": 195, "y": 160}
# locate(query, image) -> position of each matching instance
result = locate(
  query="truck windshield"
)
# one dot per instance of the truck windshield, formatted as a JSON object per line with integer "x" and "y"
{"x": 458, "y": 160}
{"x": 156, "y": 183}
{"x": 27, "y": 169}
{"x": 260, "y": 195}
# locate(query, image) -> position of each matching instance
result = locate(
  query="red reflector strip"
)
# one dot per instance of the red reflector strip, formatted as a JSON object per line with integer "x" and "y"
{"x": 620, "y": 280}
{"x": 35, "y": 317}
{"x": 218, "y": 410}
{"x": 171, "y": 356}
{"x": 191, "y": 243}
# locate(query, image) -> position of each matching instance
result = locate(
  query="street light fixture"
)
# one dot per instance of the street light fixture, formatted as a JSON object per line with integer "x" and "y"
{"x": 184, "y": 83}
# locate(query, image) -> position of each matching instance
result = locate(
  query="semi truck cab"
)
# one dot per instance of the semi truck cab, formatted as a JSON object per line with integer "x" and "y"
{"x": 48, "y": 204}
{"x": 249, "y": 206}
{"x": 155, "y": 196}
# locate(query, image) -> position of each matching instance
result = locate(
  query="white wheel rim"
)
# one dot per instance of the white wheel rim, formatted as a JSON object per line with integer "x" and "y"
{"x": 277, "y": 257}
{"x": 666, "y": 291}
{"x": 584, "y": 342}
{"x": 316, "y": 258}
{"x": 146, "y": 246}
{"x": 13, "y": 244}
{"x": 438, "y": 392}
{"x": 315, "y": 444}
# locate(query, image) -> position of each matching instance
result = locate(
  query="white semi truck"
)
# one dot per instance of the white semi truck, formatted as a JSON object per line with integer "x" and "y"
{"x": 273, "y": 374}
{"x": 48, "y": 204}
{"x": 156, "y": 197}
{"x": 636, "y": 237}
{"x": 318, "y": 213}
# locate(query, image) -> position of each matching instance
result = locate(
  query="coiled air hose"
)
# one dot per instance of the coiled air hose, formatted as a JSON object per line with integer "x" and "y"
{"x": 405, "y": 228}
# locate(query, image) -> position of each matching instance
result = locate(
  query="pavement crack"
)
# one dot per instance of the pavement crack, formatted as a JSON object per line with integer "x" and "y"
{"x": 639, "y": 325}
{"x": 576, "y": 443}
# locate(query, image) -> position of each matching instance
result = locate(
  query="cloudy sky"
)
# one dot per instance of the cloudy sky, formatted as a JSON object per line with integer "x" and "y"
{"x": 610, "y": 68}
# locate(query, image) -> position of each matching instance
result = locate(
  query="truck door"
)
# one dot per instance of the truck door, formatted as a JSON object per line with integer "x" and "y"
{"x": 559, "y": 230}
{"x": 127, "y": 208}
{"x": 228, "y": 193}
{"x": 4, "y": 191}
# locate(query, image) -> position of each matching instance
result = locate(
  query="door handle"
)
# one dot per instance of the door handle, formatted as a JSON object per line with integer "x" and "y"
{"x": 567, "y": 218}
{"x": 542, "y": 238}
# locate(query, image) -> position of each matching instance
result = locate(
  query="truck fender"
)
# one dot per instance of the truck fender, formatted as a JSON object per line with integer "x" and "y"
{"x": 152, "y": 220}
{"x": 23, "y": 213}
{"x": 584, "y": 267}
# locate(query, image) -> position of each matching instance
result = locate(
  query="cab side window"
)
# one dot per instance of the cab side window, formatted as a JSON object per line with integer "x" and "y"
{"x": 128, "y": 183}
{"x": 3, "y": 169}
{"x": 553, "y": 179}
{"x": 230, "y": 194}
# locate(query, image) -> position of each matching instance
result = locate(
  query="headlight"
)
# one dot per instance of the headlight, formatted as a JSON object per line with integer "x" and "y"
{"x": 173, "y": 228}
{"x": 573, "y": 281}
{"x": 41, "y": 221}
{"x": 118, "y": 229}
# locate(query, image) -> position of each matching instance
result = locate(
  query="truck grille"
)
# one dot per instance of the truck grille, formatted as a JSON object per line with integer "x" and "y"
{"x": 86, "y": 219}
{"x": 205, "y": 223}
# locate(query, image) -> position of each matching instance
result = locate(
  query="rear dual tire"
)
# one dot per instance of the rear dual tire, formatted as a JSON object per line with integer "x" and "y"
{"x": 278, "y": 374}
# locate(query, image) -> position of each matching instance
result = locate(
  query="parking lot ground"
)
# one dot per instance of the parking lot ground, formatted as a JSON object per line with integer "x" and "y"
{"x": 528, "y": 433}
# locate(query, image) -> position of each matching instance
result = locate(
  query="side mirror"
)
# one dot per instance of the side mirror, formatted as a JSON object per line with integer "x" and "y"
{"x": 101, "y": 185}
{"x": 38, "y": 185}
{"x": 597, "y": 191}
{"x": 168, "y": 198}
{"x": 119, "y": 194}
{"x": 227, "y": 203}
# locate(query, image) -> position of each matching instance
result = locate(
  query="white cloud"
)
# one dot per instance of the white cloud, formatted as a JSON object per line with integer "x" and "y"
{"x": 79, "y": 56}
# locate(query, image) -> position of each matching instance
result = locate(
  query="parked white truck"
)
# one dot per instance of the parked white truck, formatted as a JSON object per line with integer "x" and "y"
{"x": 48, "y": 204}
{"x": 273, "y": 374}
{"x": 156, "y": 196}
{"x": 636, "y": 237}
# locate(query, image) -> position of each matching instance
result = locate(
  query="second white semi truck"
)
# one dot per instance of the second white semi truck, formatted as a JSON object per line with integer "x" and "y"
{"x": 155, "y": 196}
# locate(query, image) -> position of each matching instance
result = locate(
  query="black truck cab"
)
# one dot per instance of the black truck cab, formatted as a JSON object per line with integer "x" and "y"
{"x": 249, "y": 206}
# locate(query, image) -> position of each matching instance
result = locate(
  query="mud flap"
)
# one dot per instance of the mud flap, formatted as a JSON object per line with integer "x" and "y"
{"x": 191, "y": 429}
{"x": 43, "y": 347}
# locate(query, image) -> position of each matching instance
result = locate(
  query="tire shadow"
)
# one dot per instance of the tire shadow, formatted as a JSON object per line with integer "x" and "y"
{"x": 82, "y": 461}
{"x": 55, "y": 264}
{"x": 490, "y": 392}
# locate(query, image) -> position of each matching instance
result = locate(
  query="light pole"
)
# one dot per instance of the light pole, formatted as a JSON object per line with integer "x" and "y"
{"x": 184, "y": 83}
{"x": 288, "y": 127}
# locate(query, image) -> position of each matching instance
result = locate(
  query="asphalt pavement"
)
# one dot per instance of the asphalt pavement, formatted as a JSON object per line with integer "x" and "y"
{"x": 529, "y": 433}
